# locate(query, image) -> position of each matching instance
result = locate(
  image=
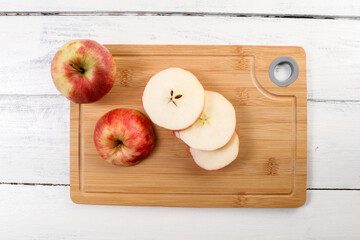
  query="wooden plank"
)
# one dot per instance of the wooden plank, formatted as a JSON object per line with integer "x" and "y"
{"x": 35, "y": 141}
{"x": 332, "y": 47}
{"x": 273, "y": 7}
{"x": 44, "y": 212}
{"x": 333, "y": 144}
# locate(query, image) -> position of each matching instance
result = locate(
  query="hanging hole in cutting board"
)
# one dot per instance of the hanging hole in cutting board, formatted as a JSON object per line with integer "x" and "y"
{"x": 283, "y": 71}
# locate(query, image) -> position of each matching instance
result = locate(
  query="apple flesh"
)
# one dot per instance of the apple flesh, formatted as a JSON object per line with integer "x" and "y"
{"x": 214, "y": 128}
{"x": 83, "y": 71}
{"x": 173, "y": 99}
{"x": 124, "y": 137}
{"x": 217, "y": 159}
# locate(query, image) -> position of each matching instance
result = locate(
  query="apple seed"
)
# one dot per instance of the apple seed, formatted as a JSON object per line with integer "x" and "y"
{"x": 174, "y": 102}
{"x": 176, "y": 97}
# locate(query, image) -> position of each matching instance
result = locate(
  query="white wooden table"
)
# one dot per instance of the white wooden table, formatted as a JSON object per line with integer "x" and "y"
{"x": 34, "y": 117}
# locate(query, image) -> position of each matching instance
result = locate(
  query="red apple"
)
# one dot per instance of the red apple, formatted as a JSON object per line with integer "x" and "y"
{"x": 124, "y": 137}
{"x": 83, "y": 71}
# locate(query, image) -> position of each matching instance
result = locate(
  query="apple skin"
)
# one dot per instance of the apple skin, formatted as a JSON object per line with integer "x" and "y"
{"x": 124, "y": 137}
{"x": 83, "y": 71}
{"x": 228, "y": 154}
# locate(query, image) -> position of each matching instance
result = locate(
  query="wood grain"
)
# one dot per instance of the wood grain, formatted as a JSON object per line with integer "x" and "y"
{"x": 270, "y": 170}
{"x": 332, "y": 46}
{"x": 272, "y": 7}
{"x": 45, "y": 212}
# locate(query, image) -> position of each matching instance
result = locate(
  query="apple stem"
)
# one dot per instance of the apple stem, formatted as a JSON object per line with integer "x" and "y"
{"x": 119, "y": 143}
{"x": 79, "y": 69}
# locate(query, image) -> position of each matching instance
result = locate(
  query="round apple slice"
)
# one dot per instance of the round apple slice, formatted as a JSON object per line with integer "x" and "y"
{"x": 214, "y": 160}
{"x": 174, "y": 99}
{"x": 215, "y": 126}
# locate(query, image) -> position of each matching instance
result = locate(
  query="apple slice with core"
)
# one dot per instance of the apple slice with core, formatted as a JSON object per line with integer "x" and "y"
{"x": 124, "y": 137}
{"x": 214, "y": 128}
{"x": 214, "y": 160}
{"x": 174, "y": 98}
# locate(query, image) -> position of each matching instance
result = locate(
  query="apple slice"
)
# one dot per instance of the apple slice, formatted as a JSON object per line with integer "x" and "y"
{"x": 214, "y": 160}
{"x": 176, "y": 134}
{"x": 174, "y": 99}
{"x": 215, "y": 126}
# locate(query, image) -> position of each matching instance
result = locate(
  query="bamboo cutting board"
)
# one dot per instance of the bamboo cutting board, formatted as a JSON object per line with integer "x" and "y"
{"x": 270, "y": 170}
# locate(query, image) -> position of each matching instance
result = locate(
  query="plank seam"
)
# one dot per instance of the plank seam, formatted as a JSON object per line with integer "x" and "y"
{"x": 333, "y": 100}
{"x": 31, "y": 95}
{"x": 173, "y": 13}
{"x": 333, "y": 189}
{"x": 35, "y": 184}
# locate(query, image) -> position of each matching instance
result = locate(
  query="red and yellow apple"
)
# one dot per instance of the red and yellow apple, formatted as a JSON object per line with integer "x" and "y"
{"x": 124, "y": 137}
{"x": 83, "y": 71}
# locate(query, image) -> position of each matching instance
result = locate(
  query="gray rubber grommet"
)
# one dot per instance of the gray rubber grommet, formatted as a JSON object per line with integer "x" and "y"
{"x": 294, "y": 71}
